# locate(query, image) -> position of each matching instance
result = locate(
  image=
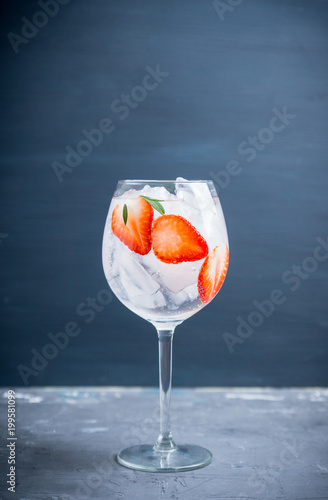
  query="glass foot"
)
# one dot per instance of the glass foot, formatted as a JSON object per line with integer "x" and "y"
{"x": 145, "y": 457}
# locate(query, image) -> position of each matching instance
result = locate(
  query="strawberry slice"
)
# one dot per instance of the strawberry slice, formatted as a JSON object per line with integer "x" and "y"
{"x": 212, "y": 273}
{"x": 175, "y": 240}
{"x": 136, "y": 232}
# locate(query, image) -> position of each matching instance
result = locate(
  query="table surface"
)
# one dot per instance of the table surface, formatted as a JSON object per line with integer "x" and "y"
{"x": 266, "y": 443}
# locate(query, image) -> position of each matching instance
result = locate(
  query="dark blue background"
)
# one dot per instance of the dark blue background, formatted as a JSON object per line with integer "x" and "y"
{"x": 225, "y": 78}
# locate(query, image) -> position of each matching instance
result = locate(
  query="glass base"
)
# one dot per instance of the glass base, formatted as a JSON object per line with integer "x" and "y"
{"x": 145, "y": 457}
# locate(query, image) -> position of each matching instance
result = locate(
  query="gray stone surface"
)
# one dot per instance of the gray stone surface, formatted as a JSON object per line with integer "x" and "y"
{"x": 267, "y": 443}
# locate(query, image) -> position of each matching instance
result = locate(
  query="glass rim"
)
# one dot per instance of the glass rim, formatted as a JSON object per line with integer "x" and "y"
{"x": 184, "y": 181}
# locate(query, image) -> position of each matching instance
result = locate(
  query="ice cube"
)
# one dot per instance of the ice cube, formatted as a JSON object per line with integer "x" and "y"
{"x": 134, "y": 278}
{"x": 180, "y": 276}
{"x": 177, "y": 299}
{"x": 192, "y": 292}
{"x": 149, "y": 301}
{"x": 132, "y": 193}
{"x": 198, "y": 198}
{"x": 173, "y": 277}
{"x": 184, "y": 296}
{"x": 156, "y": 192}
{"x": 111, "y": 246}
{"x": 195, "y": 194}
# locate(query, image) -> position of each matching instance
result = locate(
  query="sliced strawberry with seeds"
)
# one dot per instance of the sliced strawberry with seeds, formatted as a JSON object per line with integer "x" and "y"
{"x": 136, "y": 232}
{"x": 175, "y": 240}
{"x": 212, "y": 273}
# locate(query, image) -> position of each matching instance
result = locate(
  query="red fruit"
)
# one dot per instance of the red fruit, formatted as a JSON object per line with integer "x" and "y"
{"x": 212, "y": 273}
{"x": 176, "y": 240}
{"x": 136, "y": 234}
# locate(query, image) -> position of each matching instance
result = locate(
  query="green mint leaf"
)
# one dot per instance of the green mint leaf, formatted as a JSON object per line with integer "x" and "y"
{"x": 155, "y": 204}
{"x": 125, "y": 213}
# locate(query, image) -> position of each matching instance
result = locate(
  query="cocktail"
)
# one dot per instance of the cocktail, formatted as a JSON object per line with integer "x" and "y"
{"x": 165, "y": 256}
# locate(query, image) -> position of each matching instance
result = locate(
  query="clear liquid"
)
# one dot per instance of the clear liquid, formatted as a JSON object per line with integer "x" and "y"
{"x": 156, "y": 291}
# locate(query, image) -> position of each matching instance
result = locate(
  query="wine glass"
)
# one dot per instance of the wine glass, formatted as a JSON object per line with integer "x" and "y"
{"x": 165, "y": 256}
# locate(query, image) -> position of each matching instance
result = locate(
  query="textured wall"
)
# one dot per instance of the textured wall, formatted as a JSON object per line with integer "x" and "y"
{"x": 242, "y": 100}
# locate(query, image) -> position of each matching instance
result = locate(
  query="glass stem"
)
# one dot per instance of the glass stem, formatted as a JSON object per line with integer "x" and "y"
{"x": 165, "y": 441}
